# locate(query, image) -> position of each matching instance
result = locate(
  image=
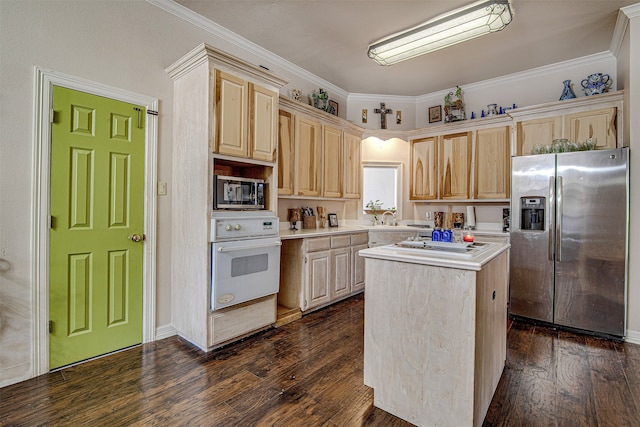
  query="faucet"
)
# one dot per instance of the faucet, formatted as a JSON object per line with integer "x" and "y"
{"x": 393, "y": 222}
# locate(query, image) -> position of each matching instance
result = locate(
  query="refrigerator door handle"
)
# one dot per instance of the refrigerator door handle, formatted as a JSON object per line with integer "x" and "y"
{"x": 552, "y": 189}
{"x": 559, "y": 221}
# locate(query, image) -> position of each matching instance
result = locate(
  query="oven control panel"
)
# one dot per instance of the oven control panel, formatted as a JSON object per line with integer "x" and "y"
{"x": 239, "y": 227}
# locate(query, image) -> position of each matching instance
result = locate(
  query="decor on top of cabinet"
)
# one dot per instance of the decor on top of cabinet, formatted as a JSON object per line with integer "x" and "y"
{"x": 454, "y": 106}
{"x": 596, "y": 83}
{"x": 321, "y": 100}
{"x": 567, "y": 92}
{"x": 435, "y": 114}
{"x": 492, "y": 110}
{"x": 296, "y": 94}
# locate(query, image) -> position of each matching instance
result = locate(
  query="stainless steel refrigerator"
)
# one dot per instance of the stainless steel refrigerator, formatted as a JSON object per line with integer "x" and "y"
{"x": 569, "y": 230}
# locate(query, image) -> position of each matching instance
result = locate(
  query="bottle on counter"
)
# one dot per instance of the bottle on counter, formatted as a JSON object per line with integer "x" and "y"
{"x": 436, "y": 235}
{"x": 447, "y": 235}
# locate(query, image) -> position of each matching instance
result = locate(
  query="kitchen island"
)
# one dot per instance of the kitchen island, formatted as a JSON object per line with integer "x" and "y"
{"x": 435, "y": 332}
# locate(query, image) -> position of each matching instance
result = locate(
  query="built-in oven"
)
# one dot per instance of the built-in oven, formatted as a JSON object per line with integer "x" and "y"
{"x": 245, "y": 257}
{"x": 238, "y": 193}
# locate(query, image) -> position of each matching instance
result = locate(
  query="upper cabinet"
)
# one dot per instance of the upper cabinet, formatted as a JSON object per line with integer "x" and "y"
{"x": 246, "y": 118}
{"x": 308, "y": 157}
{"x": 424, "y": 169}
{"x": 534, "y": 131}
{"x": 455, "y": 166}
{"x": 332, "y": 162}
{"x": 352, "y": 166}
{"x": 599, "y": 124}
{"x": 326, "y": 153}
{"x": 286, "y": 131}
{"x": 492, "y": 166}
{"x": 597, "y": 116}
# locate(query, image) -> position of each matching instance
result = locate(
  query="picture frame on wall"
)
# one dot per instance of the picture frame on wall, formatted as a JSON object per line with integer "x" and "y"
{"x": 333, "y": 220}
{"x": 435, "y": 114}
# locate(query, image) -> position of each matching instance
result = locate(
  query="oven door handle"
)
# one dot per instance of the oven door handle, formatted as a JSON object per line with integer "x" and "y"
{"x": 244, "y": 248}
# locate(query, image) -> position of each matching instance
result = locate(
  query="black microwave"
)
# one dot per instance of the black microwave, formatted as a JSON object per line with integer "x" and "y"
{"x": 238, "y": 193}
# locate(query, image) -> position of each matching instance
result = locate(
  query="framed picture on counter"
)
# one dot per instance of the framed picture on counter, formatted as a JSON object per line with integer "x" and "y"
{"x": 333, "y": 220}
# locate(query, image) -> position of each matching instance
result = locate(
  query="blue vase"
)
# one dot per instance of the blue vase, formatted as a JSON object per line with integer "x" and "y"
{"x": 567, "y": 92}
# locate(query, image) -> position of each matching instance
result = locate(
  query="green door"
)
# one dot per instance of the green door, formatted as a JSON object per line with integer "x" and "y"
{"x": 97, "y": 209}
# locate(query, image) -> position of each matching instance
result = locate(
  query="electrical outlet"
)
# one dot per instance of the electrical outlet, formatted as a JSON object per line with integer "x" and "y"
{"x": 428, "y": 215}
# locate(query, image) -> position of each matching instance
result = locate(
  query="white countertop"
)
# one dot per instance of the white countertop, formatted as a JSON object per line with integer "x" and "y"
{"x": 437, "y": 259}
{"x": 285, "y": 233}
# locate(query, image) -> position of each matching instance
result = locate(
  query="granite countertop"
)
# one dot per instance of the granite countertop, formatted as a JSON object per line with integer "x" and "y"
{"x": 437, "y": 259}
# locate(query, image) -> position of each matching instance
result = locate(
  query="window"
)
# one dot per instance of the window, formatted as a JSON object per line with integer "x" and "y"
{"x": 382, "y": 181}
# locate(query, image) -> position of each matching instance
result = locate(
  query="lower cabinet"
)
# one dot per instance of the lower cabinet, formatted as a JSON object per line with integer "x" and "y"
{"x": 316, "y": 271}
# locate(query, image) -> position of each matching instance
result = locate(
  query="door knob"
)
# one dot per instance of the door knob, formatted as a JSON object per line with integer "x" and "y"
{"x": 136, "y": 237}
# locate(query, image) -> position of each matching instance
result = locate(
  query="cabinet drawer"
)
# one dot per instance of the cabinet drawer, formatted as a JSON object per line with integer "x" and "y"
{"x": 341, "y": 241}
{"x": 359, "y": 238}
{"x": 318, "y": 244}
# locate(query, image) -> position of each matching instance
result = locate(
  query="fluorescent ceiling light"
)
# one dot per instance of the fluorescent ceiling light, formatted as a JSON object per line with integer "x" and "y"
{"x": 466, "y": 23}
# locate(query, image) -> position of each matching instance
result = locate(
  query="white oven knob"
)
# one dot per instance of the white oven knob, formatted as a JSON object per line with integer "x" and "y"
{"x": 237, "y": 227}
{"x": 229, "y": 227}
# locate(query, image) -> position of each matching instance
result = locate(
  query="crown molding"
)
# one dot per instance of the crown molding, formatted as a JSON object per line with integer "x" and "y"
{"x": 218, "y": 30}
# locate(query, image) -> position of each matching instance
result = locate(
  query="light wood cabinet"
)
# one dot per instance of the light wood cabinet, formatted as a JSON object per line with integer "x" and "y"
{"x": 317, "y": 284}
{"x": 492, "y": 168}
{"x": 352, "y": 166}
{"x": 599, "y": 124}
{"x": 326, "y": 152}
{"x": 263, "y": 123}
{"x": 210, "y": 123}
{"x": 424, "y": 178}
{"x": 332, "y": 156}
{"x": 286, "y": 152}
{"x": 537, "y": 131}
{"x": 455, "y": 166}
{"x": 598, "y": 116}
{"x": 245, "y": 118}
{"x": 308, "y": 157}
{"x": 231, "y": 115}
{"x": 316, "y": 271}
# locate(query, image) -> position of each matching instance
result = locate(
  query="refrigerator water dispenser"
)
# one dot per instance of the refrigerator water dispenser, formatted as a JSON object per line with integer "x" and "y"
{"x": 532, "y": 213}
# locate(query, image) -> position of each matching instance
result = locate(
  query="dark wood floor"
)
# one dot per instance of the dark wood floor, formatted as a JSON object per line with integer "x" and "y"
{"x": 309, "y": 373}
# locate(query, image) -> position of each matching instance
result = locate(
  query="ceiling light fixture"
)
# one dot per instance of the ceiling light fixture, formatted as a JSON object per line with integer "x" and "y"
{"x": 466, "y": 23}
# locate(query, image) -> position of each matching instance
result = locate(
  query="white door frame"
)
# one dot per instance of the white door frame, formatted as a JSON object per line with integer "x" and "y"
{"x": 43, "y": 103}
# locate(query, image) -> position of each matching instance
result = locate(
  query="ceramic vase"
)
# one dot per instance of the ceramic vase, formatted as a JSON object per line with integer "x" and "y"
{"x": 567, "y": 92}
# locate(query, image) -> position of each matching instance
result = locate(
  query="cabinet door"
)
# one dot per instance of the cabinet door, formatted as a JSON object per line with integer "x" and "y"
{"x": 357, "y": 268}
{"x": 492, "y": 164}
{"x": 341, "y": 272}
{"x": 598, "y": 124}
{"x": 352, "y": 166}
{"x": 231, "y": 115}
{"x": 308, "y": 153}
{"x": 332, "y": 161}
{"x": 263, "y": 104}
{"x": 285, "y": 153}
{"x": 318, "y": 267}
{"x": 455, "y": 165}
{"x": 537, "y": 131}
{"x": 424, "y": 181}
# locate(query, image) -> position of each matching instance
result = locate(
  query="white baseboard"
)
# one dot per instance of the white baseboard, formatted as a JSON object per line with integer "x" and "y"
{"x": 632, "y": 337}
{"x": 165, "y": 331}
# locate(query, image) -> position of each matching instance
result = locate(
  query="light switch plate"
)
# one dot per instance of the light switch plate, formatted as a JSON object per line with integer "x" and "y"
{"x": 162, "y": 188}
{"x": 428, "y": 215}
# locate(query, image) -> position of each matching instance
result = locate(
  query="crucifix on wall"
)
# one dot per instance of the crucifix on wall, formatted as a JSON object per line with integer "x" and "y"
{"x": 383, "y": 111}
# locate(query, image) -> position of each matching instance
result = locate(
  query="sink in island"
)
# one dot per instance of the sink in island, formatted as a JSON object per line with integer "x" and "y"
{"x": 435, "y": 332}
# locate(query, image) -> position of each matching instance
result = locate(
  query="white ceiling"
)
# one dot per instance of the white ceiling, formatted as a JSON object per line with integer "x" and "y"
{"x": 329, "y": 38}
